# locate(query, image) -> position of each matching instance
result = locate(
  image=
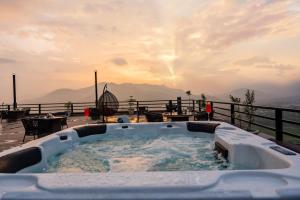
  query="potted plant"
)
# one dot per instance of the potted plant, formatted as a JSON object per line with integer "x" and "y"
{"x": 131, "y": 103}
{"x": 249, "y": 109}
{"x": 202, "y": 115}
{"x": 188, "y": 93}
{"x": 94, "y": 113}
{"x": 68, "y": 107}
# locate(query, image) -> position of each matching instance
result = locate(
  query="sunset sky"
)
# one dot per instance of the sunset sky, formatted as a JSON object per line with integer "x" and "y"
{"x": 204, "y": 46}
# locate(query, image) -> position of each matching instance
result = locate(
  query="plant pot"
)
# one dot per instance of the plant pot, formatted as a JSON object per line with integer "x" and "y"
{"x": 94, "y": 114}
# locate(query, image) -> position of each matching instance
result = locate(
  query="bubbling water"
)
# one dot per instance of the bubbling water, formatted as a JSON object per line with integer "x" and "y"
{"x": 138, "y": 152}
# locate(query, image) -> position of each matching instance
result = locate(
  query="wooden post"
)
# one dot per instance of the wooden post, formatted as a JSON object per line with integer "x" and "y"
{"x": 193, "y": 106}
{"x": 212, "y": 111}
{"x": 138, "y": 111}
{"x": 179, "y": 108}
{"x": 278, "y": 124}
{"x": 232, "y": 114}
{"x": 8, "y": 107}
{"x": 96, "y": 89}
{"x": 40, "y": 109}
{"x": 72, "y": 108}
{"x": 14, "y": 92}
{"x": 199, "y": 104}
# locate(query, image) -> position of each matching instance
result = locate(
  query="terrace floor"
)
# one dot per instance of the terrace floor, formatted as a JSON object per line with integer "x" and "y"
{"x": 11, "y": 133}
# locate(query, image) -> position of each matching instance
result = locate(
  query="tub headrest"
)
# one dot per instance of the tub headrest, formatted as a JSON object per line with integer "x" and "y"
{"x": 94, "y": 129}
{"x": 14, "y": 162}
{"x": 201, "y": 127}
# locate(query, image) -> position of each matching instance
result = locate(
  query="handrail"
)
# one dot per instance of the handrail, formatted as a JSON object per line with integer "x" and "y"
{"x": 160, "y": 106}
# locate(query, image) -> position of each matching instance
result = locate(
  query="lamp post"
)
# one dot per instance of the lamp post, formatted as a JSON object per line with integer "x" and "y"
{"x": 14, "y": 92}
{"x": 96, "y": 89}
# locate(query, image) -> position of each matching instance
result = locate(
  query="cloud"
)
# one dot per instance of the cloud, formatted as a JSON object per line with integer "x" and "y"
{"x": 277, "y": 66}
{"x": 265, "y": 63}
{"x": 225, "y": 23}
{"x": 7, "y": 61}
{"x": 119, "y": 61}
{"x": 180, "y": 44}
{"x": 252, "y": 61}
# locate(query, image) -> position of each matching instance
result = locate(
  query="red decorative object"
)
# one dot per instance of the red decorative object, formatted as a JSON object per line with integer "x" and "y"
{"x": 208, "y": 107}
{"x": 87, "y": 112}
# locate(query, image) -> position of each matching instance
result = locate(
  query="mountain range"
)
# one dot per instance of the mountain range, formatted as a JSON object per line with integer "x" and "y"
{"x": 121, "y": 91}
{"x": 266, "y": 95}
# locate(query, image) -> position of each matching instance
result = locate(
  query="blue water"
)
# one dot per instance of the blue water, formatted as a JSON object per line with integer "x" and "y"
{"x": 141, "y": 152}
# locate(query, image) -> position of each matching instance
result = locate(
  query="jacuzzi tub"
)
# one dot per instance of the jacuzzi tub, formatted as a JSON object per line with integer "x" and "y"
{"x": 266, "y": 171}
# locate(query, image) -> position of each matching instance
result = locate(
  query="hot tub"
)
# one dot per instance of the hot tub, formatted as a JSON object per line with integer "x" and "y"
{"x": 174, "y": 160}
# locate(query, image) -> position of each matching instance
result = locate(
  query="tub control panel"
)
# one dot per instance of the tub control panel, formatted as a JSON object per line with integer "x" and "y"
{"x": 282, "y": 150}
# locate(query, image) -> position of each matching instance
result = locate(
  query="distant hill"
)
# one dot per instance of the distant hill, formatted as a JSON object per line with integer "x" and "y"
{"x": 260, "y": 96}
{"x": 283, "y": 97}
{"x": 122, "y": 92}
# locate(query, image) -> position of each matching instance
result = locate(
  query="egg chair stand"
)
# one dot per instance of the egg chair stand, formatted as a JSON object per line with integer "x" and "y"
{"x": 108, "y": 104}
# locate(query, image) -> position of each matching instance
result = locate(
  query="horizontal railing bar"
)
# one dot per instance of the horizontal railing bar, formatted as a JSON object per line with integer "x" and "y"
{"x": 253, "y": 123}
{"x": 255, "y": 115}
{"x": 158, "y": 100}
{"x": 291, "y": 134}
{"x": 259, "y": 106}
{"x": 290, "y": 122}
{"x": 221, "y": 108}
{"x": 221, "y": 114}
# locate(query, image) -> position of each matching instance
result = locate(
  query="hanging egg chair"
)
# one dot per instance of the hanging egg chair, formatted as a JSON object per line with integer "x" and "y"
{"x": 108, "y": 103}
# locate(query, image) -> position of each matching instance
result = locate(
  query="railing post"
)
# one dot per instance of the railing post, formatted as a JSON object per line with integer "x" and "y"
{"x": 72, "y": 109}
{"x": 232, "y": 114}
{"x": 179, "y": 108}
{"x": 193, "y": 106}
{"x": 199, "y": 104}
{"x": 138, "y": 111}
{"x": 8, "y": 107}
{"x": 40, "y": 109}
{"x": 212, "y": 110}
{"x": 278, "y": 124}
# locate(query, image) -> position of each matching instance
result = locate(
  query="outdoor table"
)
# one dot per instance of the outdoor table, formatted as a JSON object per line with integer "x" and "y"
{"x": 48, "y": 125}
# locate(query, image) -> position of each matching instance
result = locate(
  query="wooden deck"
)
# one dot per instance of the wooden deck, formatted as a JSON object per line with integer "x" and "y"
{"x": 11, "y": 133}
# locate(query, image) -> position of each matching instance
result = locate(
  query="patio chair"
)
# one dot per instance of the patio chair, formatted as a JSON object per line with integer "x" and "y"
{"x": 154, "y": 117}
{"x": 202, "y": 116}
{"x": 64, "y": 122}
{"x": 26, "y": 111}
{"x": 170, "y": 107}
{"x": 3, "y": 115}
{"x": 142, "y": 110}
{"x": 31, "y": 127}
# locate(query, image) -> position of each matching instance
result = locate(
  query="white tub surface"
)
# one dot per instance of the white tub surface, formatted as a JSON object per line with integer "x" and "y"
{"x": 270, "y": 174}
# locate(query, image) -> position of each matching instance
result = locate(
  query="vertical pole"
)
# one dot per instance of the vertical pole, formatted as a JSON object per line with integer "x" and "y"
{"x": 8, "y": 107}
{"x": 193, "y": 106}
{"x": 138, "y": 111}
{"x": 96, "y": 89}
{"x": 170, "y": 107}
{"x": 278, "y": 124}
{"x": 179, "y": 108}
{"x": 40, "y": 109}
{"x": 14, "y": 91}
{"x": 212, "y": 111}
{"x": 232, "y": 113}
{"x": 72, "y": 108}
{"x": 199, "y": 104}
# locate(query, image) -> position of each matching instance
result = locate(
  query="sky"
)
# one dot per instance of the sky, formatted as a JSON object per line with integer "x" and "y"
{"x": 198, "y": 45}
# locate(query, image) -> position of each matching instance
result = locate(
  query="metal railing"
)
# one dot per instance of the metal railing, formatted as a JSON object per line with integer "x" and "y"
{"x": 280, "y": 122}
{"x": 270, "y": 119}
